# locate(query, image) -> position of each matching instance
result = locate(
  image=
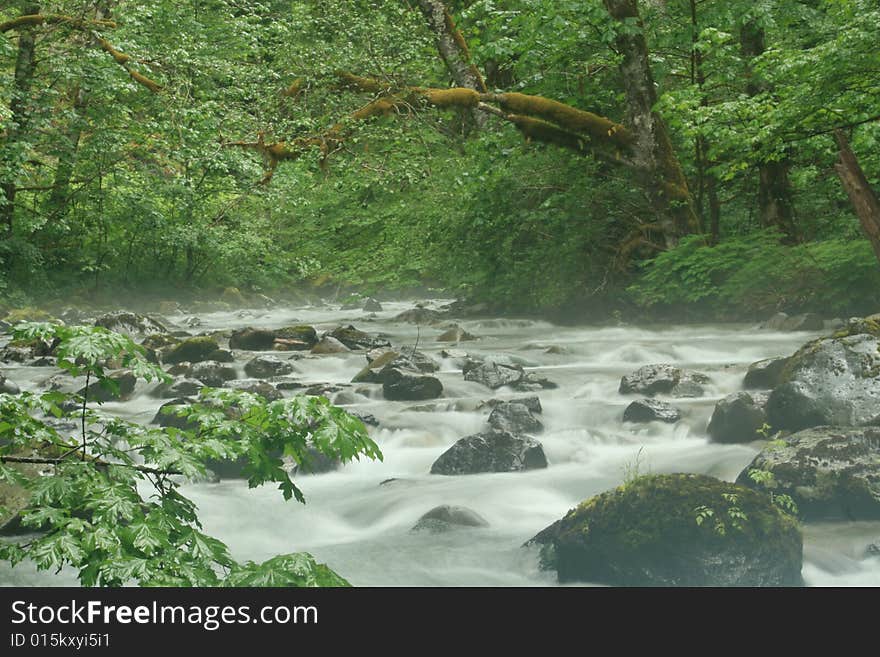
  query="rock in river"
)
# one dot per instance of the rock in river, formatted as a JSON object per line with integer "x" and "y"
{"x": 830, "y": 472}
{"x": 765, "y": 374}
{"x": 492, "y": 451}
{"x": 192, "y": 350}
{"x": 264, "y": 367}
{"x": 403, "y": 385}
{"x": 444, "y": 518}
{"x": 663, "y": 378}
{"x": 738, "y": 418}
{"x": 251, "y": 339}
{"x": 651, "y": 410}
{"x": 675, "y": 530}
{"x": 514, "y": 417}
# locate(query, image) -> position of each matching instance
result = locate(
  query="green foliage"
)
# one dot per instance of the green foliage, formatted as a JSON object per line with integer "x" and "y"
{"x": 106, "y": 500}
{"x": 767, "y": 481}
{"x": 757, "y": 274}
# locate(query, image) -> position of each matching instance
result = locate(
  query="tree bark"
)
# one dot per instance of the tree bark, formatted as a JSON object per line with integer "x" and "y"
{"x": 863, "y": 198}
{"x": 775, "y": 199}
{"x": 20, "y": 113}
{"x": 653, "y": 154}
{"x": 454, "y": 52}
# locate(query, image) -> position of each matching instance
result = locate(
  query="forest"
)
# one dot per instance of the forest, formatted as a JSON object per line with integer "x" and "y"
{"x": 587, "y": 187}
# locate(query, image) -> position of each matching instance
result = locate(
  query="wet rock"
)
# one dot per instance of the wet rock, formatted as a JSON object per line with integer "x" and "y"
{"x": 12, "y": 354}
{"x": 457, "y": 354}
{"x": 646, "y": 533}
{"x": 124, "y": 381}
{"x": 830, "y": 381}
{"x": 192, "y": 322}
{"x": 296, "y": 338}
{"x": 738, "y": 418}
{"x": 222, "y": 356}
{"x": 531, "y": 403}
{"x": 445, "y": 518}
{"x": 651, "y": 410}
{"x": 401, "y": 385}
{"x": 315, "y": 462}
{"x": 491, "y": 374}
{"x": 455, "y": 334}
{"x": 803, "y": 322}
{"x": 265, "y": 390}
{"x": 765, "y": 374}
{"x": 329, "y": 345}
{"x": 8, "y": 387}
{"x": 43, "y": 361}
{"x": 177, "y": 389}
{"x": 191, "y": 350}
{"x": 376, "y": 360}
{"x": 491, "y": 451}
{"x": 873, "y": 550}
{"x": 355, "y": 339}
{"x": 419, "y": 316}
{"x": 321, "y": 390}
{"x": 166, "y": 416}
{"x": 251, "y": 339}
{"x": 130, "y": 324}
{"x": 372, "y": 306}
{"x": 211, "y": 373}
{"x": 663, "y": 378}
{"x": 830, "y": 472}
{"x": 367, "y": 418}
{"x": 514, "y": 417}
{"x": 265, "y": 367}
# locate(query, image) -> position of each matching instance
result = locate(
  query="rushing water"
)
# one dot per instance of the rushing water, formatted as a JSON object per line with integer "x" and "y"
{"x": 360, "y": 525}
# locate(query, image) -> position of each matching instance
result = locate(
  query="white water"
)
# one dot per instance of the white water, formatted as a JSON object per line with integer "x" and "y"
{"x": 361, "y": 528}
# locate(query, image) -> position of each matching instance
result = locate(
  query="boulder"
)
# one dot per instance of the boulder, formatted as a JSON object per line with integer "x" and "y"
{"x": 765, "y": 374}
{"x": 738, "y": 418}
{"x": 491, "y": 451}
{"x": 455, "y": 334}
{"x": 296, "y": 338}
{"x": 675, "y": 530}
{"x": 531, "y": 403}
{"x": 211, "y": 373}
{"x": 419, "y": 316}
{"x": 651, "y": 410}
{"x": 265, "y": 390}
{"x": 372, "y": 306}
{"x": 402, "y": 385}
{"x": 222, "y": 356}
{"x": 491, "y": 374}
{"x": 251, "y": 339}
{"x": 831, "y": 381}
{"x": 371, "y": 372}
{"x": 314, "y": 462}
{"x": 123, "y": 385}
{"x": 177, "y": 389}
{"x": 265, "y": 367}
{"x": 233, "y": 296}
{"x": 367, "y": 418}
{"x": 130, "y": 324}
{"x": 191, "y": 350}
{"x": 444, "y": 518}
{"x": 830, "y": 472}
{"x": 329, "y": 345}
{"x": 8, "y": 387}
{"x": 514, "y": 417}
{"x": 663, "y": 378}
{"x": 355, "y": 339}
{"x": 166, "y": 417}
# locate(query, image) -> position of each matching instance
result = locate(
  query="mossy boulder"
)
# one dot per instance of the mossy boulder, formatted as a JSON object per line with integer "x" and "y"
{"x": 251, "y": 339}
{"x": 833, "y": 381}
{"x": 675, "y": 530}
{"x": 233, "y": 296}
{"x": 296, "y": 338}
{"x": 329, "y": 345}
{"x": 831, "y": 473}
{"x": 419, "y": 316}
{"x": 27, "y": 314}
{"x": 191, "y": 350}
{"x": 131, "y": 324}
{"x": 355, "y": 339}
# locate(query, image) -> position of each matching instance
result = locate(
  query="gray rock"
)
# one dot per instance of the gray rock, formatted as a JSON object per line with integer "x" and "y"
{"x": 873, "y": 550}
{"x": 663, "y": 378}
{"x": 177, "y": 389}
{"x": 222, "y": 356}
{"x": 166, "y": 417}
{"x": 130, "y": 324}
{"x": 532, "y": 403}
{"x": 211, "y": 373}
{"x": 492, "y": 451}
{"x": 265, "y": 367}
{"x": 300, "y": 337}
{"x": 738, "y": 418}
{"x": 651, "y": 410}
{"x": 355, "y": 339}
{"x": 251, "y": 339}
{"x": 401, "y": 385}
{"x": 191, "y": 350}
{"x": 445, "y": 518}
{"x": 419, "y": 316}
{"x": 765, "y": 374}
{"x": 329, "y": 345}
{"x": 830, "y": 472}
{"x": 124, "y": 382}
{"x": 265, "y": 390}
{"x": 372, "y": 306}
{"x": 514, "y": 417}
{"x": 455, "y": 334}
{"x": 491, "y": 374}
{"x": 367, "y": 418}
{"x": 8, "y": 387}
{"x": 829, "y": 381}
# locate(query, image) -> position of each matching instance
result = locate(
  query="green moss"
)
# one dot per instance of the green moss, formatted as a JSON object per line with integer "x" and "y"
{"x": 27, "y": 314}
{"x": 192, "y": 350}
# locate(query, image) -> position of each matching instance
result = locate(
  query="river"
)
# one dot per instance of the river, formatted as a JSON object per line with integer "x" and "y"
{"x": 360, "y": 526}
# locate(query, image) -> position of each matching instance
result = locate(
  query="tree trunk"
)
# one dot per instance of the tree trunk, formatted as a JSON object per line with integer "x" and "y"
{"x": 775, "y": 203}
{"x": 59, "y": 198}
{"x": 20, "y": 113}
{"x": 454, "y": 52}
{"x": 653, "y": 153}
{"x": 864, "y": 199}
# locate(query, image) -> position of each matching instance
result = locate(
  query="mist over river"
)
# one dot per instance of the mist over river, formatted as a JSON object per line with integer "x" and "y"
{"x": 361, "y": 526}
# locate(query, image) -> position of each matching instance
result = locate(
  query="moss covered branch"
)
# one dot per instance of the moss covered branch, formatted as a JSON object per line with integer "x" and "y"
{"x": 122, "y": 59}
{"x": 37, "y": 20}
